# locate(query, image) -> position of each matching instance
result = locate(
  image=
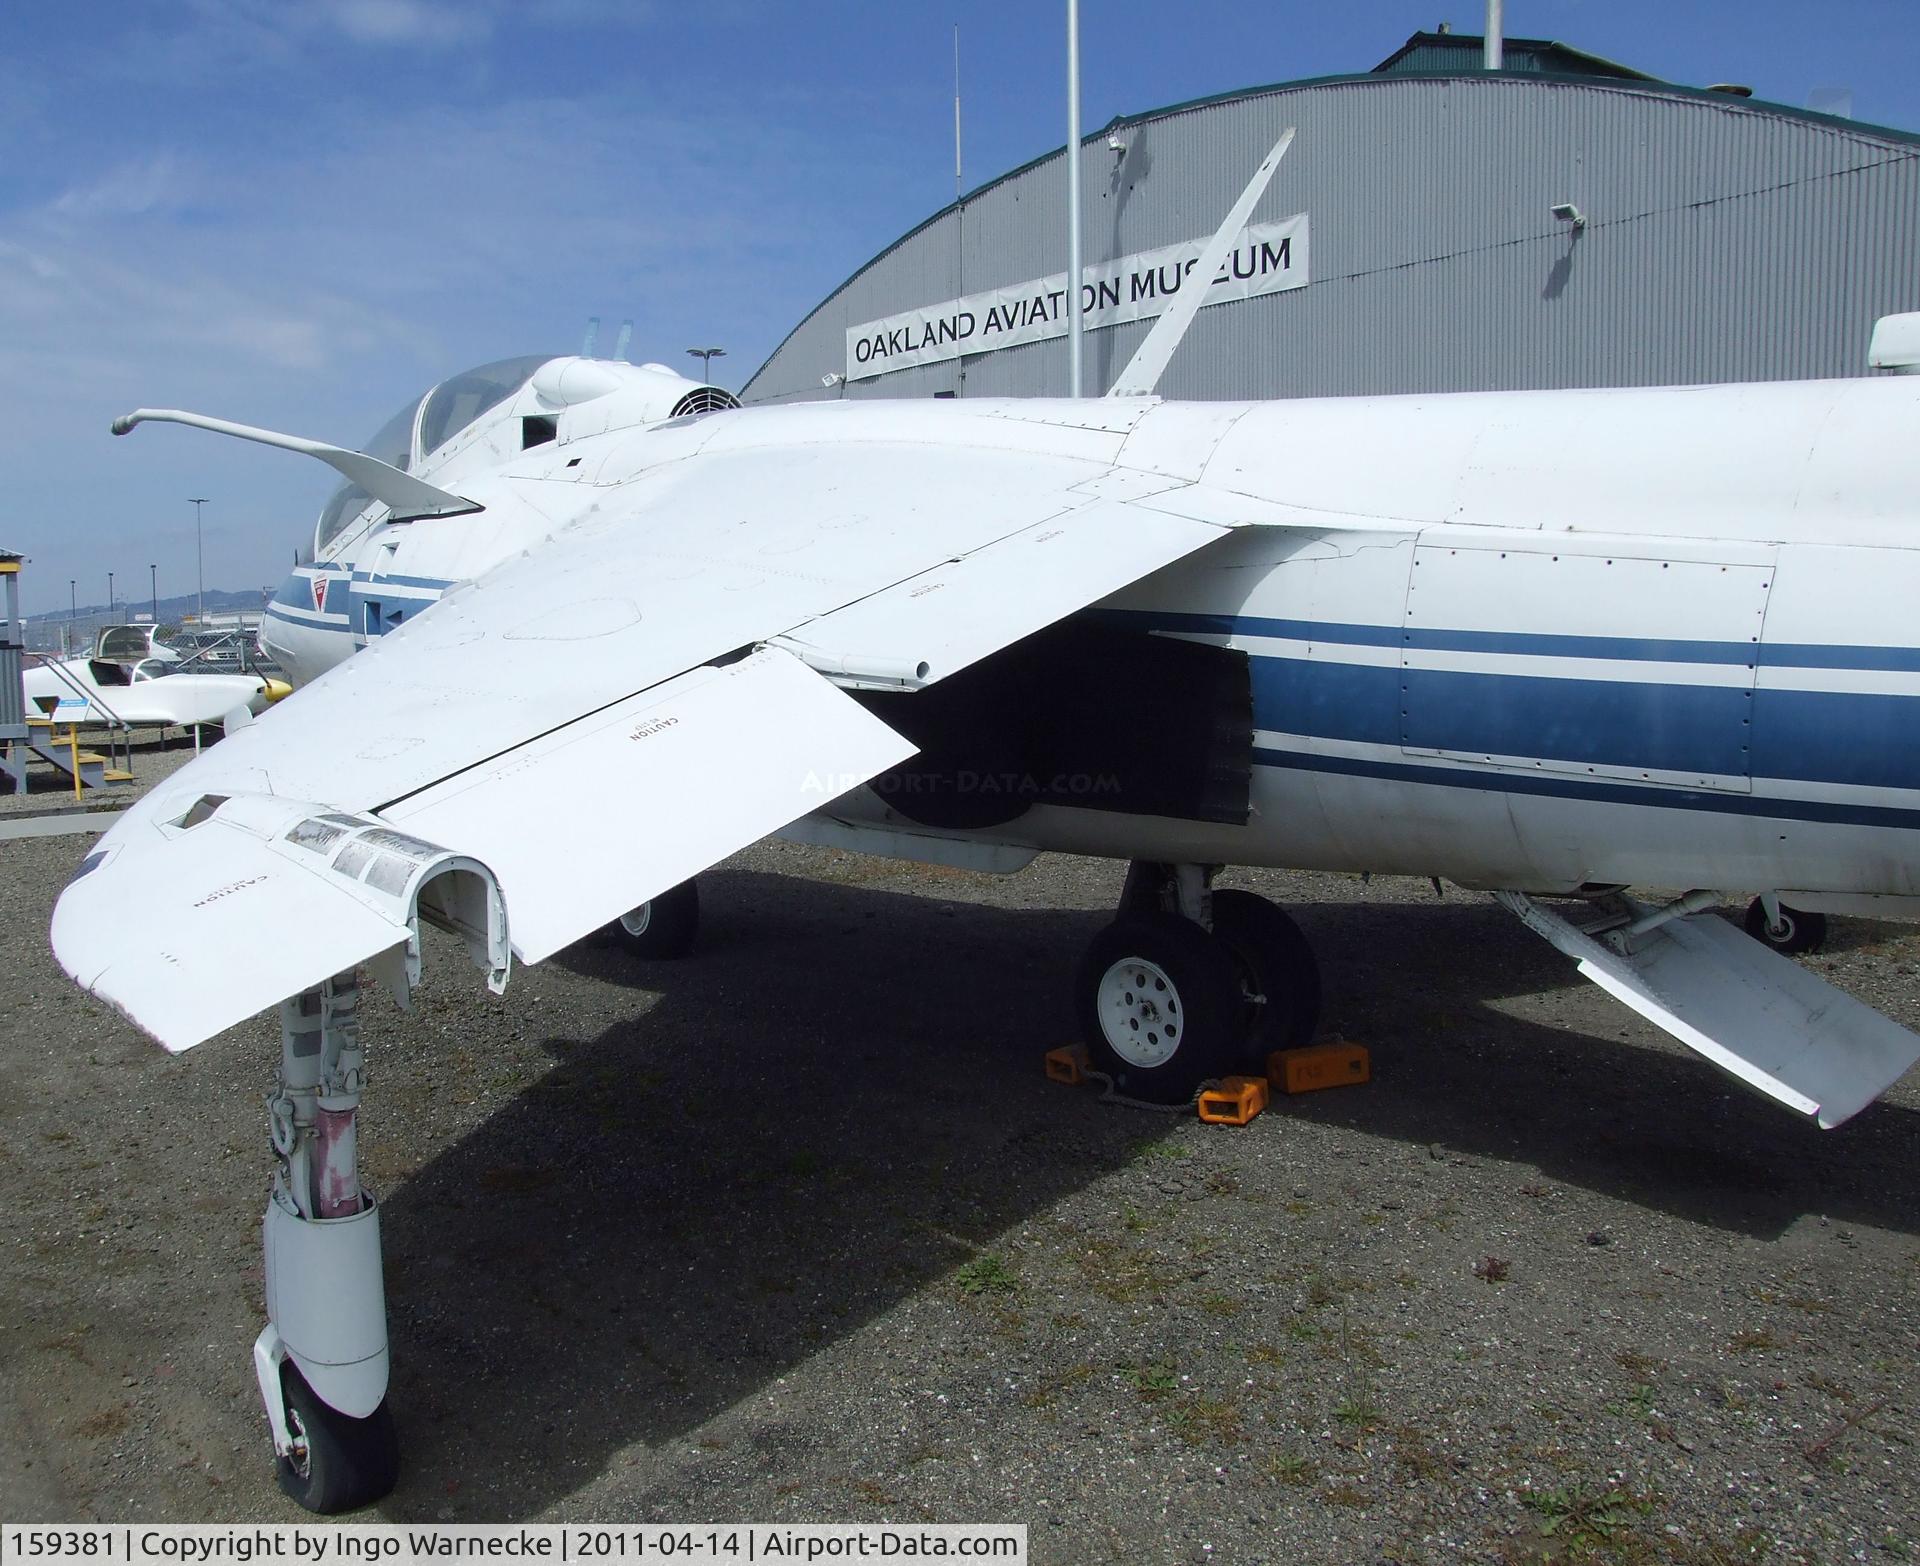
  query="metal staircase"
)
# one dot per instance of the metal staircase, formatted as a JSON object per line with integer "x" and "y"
{"x": 68, "y": 755}
{"x": 86, "y": 767}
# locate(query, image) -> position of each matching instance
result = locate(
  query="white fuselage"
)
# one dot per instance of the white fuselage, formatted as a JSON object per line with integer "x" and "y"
{"x": 1537, "y": 640}
{"x": 144, "y": 694}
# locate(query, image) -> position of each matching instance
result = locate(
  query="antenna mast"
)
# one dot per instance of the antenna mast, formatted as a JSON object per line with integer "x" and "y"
{"x": 956, "y": 111}
{"x": 1073, "y": 198}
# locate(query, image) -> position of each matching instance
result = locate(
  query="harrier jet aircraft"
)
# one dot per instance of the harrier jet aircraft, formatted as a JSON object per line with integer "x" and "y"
{"x": 1552, "y": 645}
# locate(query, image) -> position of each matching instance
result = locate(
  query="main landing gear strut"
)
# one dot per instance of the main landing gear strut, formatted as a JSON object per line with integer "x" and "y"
{"x": 1189, "y": 984}
{"x": 322, "y": 1358}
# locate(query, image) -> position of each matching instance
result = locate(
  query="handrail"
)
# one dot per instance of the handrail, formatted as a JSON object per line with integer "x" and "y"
{"x": 93, "y": 698}
{"x": 120, "y": 749}
{"x": 90, "y": 695}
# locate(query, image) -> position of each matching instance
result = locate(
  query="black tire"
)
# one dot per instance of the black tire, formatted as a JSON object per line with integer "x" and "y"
{"x": 1195, "y": 998}
{"x": 1797, "y": 931}
{"x": 339, "y": 1463}
{"x": 1277, "y": 972}
{"x": 668, "y": 925}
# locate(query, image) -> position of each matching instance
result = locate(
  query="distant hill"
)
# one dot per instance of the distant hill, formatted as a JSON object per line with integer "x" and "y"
{"x": 172, "y": 610}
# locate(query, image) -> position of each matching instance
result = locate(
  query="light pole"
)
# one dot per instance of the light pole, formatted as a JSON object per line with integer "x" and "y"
{"x": 153, "y": 583}
{"x": 199, "y": 562}
{"x": 73, "y": 610}
{"x": 109, "y": 598}
{"x": 706, "y": 356}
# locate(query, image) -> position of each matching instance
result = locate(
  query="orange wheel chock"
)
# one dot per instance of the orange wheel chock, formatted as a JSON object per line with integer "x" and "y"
{"x": 1330, "y": 1063}
{"x": 1067, "y": 1064}
{"x": 1234, "y": 1102}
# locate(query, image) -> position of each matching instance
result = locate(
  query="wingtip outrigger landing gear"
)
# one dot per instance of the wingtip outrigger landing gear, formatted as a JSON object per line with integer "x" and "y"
{"x": 1789, "y": 931}
{"x": 322, "y": 1358}
{"x": 1188, "y": 984}
{"x": 663, "y": 927}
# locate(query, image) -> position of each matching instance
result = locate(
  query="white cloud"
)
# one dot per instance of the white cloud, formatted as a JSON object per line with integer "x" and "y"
{"x": 409, "y": 21}
{"x": 302, "y": 243}
{"x": 273, "y": 30}
{"x": 146, "y": 185}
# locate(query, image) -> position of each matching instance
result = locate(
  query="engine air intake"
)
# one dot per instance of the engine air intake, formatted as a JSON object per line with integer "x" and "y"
{"x": 704, "y": 399}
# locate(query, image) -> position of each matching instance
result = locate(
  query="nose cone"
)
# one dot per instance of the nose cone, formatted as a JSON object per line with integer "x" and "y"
{"x": 269, "y": 692}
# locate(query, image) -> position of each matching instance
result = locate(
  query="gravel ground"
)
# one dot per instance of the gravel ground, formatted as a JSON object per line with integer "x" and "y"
{"x": 151, "y": 757}
{"x": 796, "y": 1230}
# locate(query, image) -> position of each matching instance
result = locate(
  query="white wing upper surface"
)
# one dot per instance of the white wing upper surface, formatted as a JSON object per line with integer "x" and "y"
{"x": 598, "y": 719}
{"x": 657, "y": 575}
{"x": 585, "y": 823}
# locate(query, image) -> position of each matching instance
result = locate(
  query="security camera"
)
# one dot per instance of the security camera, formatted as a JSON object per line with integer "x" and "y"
{"x": 1114, "y": 143}
{"x": 1567, "y": 212}
{"x": 830, "y": 379}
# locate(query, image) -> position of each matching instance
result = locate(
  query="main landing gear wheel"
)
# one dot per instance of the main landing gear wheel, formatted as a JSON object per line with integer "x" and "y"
{"x": 1159, "y": 1005}
{"x": 1278, "y": 975}
{"x": 1794, "y": 933}
{"x": 338, "y": 1464}
{"x": 662, "y": 928}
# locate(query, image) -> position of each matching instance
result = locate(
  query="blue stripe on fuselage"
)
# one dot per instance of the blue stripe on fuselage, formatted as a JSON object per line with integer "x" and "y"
{"x": 1606, "y": 792}
{"x": 1837, "y": 737}
{"x": 349, "y": 595}
{"x": 1665, "y": 728}
{"x": 1833, "y": 737}
{"x": 279, "y": 611}
{"x": 296, "y": 592}
{"x": 364, "y": 578}
{"x": 1788, "y": 655}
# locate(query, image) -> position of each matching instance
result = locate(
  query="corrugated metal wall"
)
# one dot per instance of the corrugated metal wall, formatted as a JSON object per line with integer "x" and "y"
{"x": 1725, "y": 241}
{"x": 13, "y": 708}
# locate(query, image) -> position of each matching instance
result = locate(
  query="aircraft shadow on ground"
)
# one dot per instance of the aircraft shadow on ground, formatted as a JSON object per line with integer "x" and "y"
{"x": 1629, "y": 1114}
{"x": 840, "y": 1097}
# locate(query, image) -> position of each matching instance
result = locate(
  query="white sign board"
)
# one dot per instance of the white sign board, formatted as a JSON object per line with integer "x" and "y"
{"x": 72, "y": 709}
{"x": 1267, "y": 258}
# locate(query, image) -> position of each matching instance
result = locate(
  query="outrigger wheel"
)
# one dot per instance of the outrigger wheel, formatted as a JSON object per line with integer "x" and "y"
{"x": 661, "y": 928}
{"x": 338, "y": 1463}
{"x": 1794, "y": 932}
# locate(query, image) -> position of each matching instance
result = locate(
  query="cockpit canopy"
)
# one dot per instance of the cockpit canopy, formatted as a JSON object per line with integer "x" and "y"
{"x": 133, "y": 643}
{"x": 421, "y": 428}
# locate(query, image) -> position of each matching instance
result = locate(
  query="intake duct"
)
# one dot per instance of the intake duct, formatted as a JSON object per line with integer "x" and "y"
{"x": 704, "y": 399}
{"x": 600, "y": 394}
{"x": 1084, "y": 714}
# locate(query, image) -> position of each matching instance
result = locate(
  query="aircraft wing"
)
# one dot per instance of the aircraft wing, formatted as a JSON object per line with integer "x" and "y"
{"x": 588, "y": 725}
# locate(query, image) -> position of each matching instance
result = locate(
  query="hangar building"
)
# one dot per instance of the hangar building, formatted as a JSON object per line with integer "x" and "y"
{"x": 1564, "y": 221}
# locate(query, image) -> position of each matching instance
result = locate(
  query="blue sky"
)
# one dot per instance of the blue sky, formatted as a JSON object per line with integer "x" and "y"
{"x": 300, "y": 213}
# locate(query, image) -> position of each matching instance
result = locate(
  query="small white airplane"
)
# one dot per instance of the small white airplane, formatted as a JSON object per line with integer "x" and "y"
{"x": 1554, "y": 645}
{"x": 135, "y": 679}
